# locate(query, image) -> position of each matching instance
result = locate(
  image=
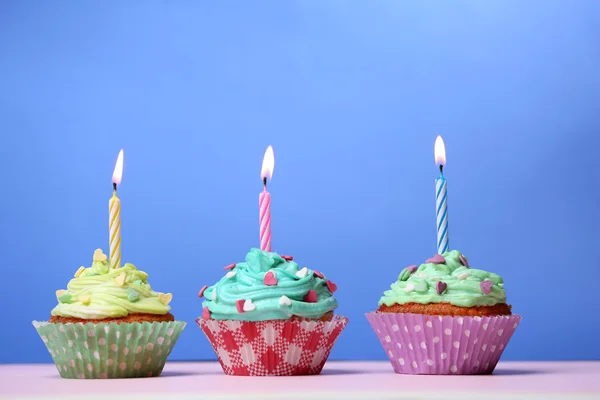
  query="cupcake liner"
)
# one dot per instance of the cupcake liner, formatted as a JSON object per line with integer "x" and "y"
{"x": 272, "y": 348}
{"x": 99, "y": 351}
{"x": 442, "y": 345}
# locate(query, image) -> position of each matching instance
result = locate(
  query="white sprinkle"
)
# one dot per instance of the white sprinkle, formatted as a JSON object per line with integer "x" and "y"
{"x": 249, "y": 305}
{"x": 409, "y": 288}
{"x": 285, "y": 301}
{"x": 463, "y": 276}
{"x": 230, "y": 274}
{"x": 214, "y": 294}
{"x": 422, "y": 275}
{"x": 302, "y": 273}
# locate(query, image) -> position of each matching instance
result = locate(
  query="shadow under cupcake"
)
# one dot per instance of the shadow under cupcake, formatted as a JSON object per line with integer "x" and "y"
{"x": 443, "y": 317}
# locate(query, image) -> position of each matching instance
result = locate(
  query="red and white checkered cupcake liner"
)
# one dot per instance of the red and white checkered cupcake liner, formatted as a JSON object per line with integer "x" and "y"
{"x": 272, "y": 348}
{"x": 443, "y": 345}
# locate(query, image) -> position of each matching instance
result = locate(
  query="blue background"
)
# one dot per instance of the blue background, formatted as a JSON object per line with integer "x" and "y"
{"x": 351, "y": 94}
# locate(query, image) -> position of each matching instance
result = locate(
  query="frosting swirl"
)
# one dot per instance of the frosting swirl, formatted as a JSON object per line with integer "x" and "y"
{"x": 100, "y": 292}
{"x": 266, "y": 287}
{"x": 446, "y": 278}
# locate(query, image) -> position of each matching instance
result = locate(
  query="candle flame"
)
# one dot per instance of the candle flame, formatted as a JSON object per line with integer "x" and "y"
{"x": 440, "y": 151}
{"x": 118, "y": 172}
{"x": 268, "y": 164}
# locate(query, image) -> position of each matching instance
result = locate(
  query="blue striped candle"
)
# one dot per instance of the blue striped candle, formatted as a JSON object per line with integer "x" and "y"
{"x": 441, "y": 198}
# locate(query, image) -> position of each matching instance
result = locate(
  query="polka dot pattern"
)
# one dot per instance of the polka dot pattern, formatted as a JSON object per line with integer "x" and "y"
{"x": 443, "y": 345}
{"x": 87, "y": 351}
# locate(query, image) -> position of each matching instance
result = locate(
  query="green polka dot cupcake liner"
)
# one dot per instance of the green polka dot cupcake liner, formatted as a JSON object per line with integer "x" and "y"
{"x": 101, "y": 351}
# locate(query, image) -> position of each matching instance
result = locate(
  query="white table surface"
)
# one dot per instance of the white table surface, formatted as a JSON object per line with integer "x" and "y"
{"x": 339, "y": 380}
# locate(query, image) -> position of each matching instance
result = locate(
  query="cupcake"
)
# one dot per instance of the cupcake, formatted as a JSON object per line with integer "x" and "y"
{"x": 444, "y": 317}
{"x": 268, "y": 316}
{"x": 109, "y": 323}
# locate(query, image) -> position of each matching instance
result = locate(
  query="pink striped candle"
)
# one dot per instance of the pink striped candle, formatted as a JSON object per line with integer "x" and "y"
{"x": 264, "y": 200}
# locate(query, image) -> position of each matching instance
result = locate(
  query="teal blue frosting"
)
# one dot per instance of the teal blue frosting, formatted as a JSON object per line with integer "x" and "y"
{"x": 246, "y": 282}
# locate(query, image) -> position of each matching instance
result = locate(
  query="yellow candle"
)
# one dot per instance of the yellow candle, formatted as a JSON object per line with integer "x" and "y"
{"x": 114, "y": 216}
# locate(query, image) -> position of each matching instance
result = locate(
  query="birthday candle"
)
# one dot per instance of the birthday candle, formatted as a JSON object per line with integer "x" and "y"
{"x": 114, "y": 216}
{"x": 441, "y": 197}
{"x": 264, "y": 200}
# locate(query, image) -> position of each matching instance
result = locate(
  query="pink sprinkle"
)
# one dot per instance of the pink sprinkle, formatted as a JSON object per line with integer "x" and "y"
{"x": 440, "y": 287}
{"x": 463, "y": 260}
{"x": 311, "y": 296}
{"x": 437, "y": 259}
{"x": 205, "y": 313}
{"x": 318, "y": 274}
{"x": 239, "y": 304}
{"x": 331, "y": 286}
{"x": 412, "y": 268}
{"x": 486, "y": 286}
{"x": 287, "y": 258}
{"x": 201, "y": 292}
{"x": 230, "y": 266}
{"x": 270, "y": 279}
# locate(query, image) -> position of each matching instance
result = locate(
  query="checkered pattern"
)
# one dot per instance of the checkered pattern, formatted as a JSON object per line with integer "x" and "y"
{"x": 276, "y": 348}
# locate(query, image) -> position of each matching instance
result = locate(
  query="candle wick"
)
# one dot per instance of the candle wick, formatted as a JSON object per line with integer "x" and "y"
{"x": 442, "y": 169}
{"x": 115, "y": 187}
{"x": 265, "y": 182}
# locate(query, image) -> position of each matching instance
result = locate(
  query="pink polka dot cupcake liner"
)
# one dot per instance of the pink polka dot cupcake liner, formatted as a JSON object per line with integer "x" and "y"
{"x": 272, "y": 348}
{"x": 443, "y": 345}
{"x": 101, "y": 351}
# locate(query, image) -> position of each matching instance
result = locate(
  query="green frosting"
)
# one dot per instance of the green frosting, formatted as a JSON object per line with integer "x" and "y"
{"x": 96, "y": 293}
{"x": 246, "y": 282}
{"x": 463, "y": 290}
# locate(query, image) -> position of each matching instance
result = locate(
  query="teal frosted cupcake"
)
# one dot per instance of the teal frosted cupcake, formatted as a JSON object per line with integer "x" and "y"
{"x": 269, "y": 316}
{"x": 110, "y": 323}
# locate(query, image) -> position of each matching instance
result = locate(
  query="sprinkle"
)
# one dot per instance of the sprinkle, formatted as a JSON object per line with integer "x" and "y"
{"x": 205, "y": 313}
{"x": 270, "y": 279}
{"x": 99, "y": 256}
{"x": 285, "y": 301}
{"x": 463, "y": 260}
{"x": 239, "y": 305}
{"x": 138, "y": 282}
{"x": 64, "y": 297}
{"x": 230, "y": 274}
{"x": 287, "y": 258}
{"x": 407, "y": 272}
{"x": 121, "y": 279}
{"x": 165, "y": 298}
{"x": 85, "y": 299}
{"x": 249, "y": 306}
{"x": 422, "y": 275}
{"x": 133, "y": 295}
{"x": 302, "y": 273}
{"x": 463, "y": 276}
{"x": 331, "y": 286}
{"x": 311, "y": 296}
{"x": 201, "y": 292}
{"x": 412, "y": 268}
{"x": 440, "y": 287}
{"x": 318, "y": 274}
{"x": 214, "y": 294}
{"x": 437, "y": 259}
{"x": 409, "y": 288}
{"x": 421, "y": 287}
{"x": 230, "y": 266}
{"x": 486, "y": 286}
{"x": 60, "y": 292}
{"x": 79, "y": 271}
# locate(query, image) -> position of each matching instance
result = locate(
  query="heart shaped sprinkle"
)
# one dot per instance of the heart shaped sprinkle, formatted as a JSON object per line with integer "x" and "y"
{"x": 230, "y": 266}
{"x": 121, "y": 279}
{"x": 421, "y": 287}
{"x": 412, "y": 268}
{"x": 85, "y": 299}
{"x": 285, "y": 301}
{"x": 486, "y": 286}
{"x": 407, "y": 272}
{"x": 287, "y": 258}
{"x": 463, "y": 276}
{"x": 437, "y": 259}
{"x": 440, "y": 287}
{"x": 239, "y": 304}
{"x": 409, "y": 287}
{"x": 318, "y": 274}
{"x": 165, "y": 298}
{"x": 201, "y": 292}
{"x": 99, "y": 256}
{"x": 249, "y": 306}
{"x": 205, "y": 313}
{"x": 270, "y": 279}
{"x": 230, "y": 274}
{"x": 463, "y": 260}
{"x": 311, "y": 296}
{"x": 331, "y": 286}
{"x": 79, "y": 271}
{"x": 302, "y": 273}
